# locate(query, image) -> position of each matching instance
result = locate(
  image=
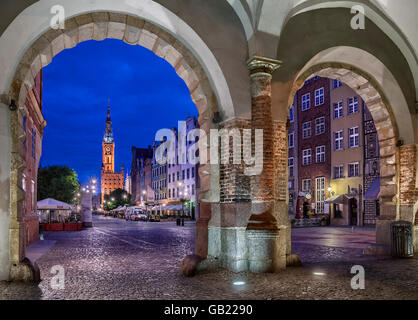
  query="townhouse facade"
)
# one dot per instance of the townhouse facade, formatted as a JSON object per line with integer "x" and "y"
{"x": 346, "y": 155}
{"x": 313, "y": 101}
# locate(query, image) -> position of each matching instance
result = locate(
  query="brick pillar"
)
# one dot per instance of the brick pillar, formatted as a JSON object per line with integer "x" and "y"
{"x": 266, "y": 239}
{"x": 235, "y": 202}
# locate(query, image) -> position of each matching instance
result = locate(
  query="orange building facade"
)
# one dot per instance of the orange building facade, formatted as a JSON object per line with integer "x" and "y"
{"x": 110, "y": 180}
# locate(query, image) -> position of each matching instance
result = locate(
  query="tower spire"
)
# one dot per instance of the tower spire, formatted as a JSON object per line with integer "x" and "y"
{"x": 108, "y": 137}
{"x": 108, "y": 110}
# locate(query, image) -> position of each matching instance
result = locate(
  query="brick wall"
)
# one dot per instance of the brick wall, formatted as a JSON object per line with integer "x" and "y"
{"x": 234, "y": 185}
{"x": 314, "y": 170}
{"x": 407, "y": 190}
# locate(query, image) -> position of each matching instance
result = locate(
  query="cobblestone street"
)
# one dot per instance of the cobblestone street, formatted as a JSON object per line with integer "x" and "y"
{"x": 120, "y": 259}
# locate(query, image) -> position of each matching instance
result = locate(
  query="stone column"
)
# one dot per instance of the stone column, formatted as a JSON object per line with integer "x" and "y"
{"x": 5, "y": 191}
{"x": 266, "y": 237}
{"x": 235, "y": 201}
{"x": 20, "y": 267}
{"x": 86, "y": 206}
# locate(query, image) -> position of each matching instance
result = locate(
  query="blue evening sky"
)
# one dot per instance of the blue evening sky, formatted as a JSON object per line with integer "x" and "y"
{"x": 145, "y": 95}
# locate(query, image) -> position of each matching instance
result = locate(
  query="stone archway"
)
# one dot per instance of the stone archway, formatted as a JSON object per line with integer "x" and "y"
{"x": 397, "y": 161}
{"x": 134, "y": 31}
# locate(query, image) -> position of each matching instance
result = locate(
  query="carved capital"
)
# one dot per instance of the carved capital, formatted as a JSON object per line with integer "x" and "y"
{"x": 263, "y": 65}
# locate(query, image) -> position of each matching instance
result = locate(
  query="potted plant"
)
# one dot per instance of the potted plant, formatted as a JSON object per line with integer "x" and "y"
{"x": 293, "y": 222}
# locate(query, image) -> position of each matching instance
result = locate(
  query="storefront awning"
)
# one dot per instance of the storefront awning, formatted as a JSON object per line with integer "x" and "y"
{"x": 52, "y": 204}
{"x": 372, "y": 193}
{"x": 338, "y": 199}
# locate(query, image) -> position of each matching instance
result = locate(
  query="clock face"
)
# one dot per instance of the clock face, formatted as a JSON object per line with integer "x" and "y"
{"x": 107, "y": 148}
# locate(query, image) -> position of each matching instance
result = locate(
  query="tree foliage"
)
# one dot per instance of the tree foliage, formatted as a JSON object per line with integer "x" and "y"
{"x": 117, "y": 198}
{"x": 58, "y": 182}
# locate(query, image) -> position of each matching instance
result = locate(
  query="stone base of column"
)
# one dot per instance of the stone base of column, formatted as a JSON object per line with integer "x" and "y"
{"x": 266, "y": 250}
{"x": 415, "y": 235}
{"x": 377, "y": 250}
{"x": 383, "y": 236}
{"x": 87, "y": 224}
{"x": 201, "y": 248}
{"x": 26, "y": 271}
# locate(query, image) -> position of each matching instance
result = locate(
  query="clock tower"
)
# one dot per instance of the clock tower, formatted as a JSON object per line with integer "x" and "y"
{"x": 110, "y": 180}
{"x": 108, "y": 146}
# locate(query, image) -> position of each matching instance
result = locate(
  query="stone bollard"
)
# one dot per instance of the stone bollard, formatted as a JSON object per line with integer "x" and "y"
{"x": 190, "y": 264}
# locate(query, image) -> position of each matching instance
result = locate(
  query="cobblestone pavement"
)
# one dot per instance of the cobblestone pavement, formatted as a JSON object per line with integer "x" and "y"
{"x": 120, "y": 259}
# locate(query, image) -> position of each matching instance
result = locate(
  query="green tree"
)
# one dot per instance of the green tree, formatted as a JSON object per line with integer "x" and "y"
{"x": 58, "y": 182}
{"x": 116, "y": 198}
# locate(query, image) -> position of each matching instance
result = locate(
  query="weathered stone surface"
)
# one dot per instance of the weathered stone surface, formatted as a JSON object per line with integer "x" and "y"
{"x": 132, "y": 34}
{"x": 25, "y": 271}
{"x": 116, "y": 30}
{"x": 85, "y": 32}
{"x": 58, "y": 44}
{"x": 266, "y": 250}
{"x": 293, "y": 260}
{"x": 189, "y": 265}
{"x": 147, "y": 39}
{"x": 100, "y": 30}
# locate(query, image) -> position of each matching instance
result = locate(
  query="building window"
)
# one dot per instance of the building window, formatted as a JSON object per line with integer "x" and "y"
{"x": 178, "y": 175}
{"x": 188, "y": 173}
{"x": 339, "y": 140}
{"x": 290, "y": 184}
{"x": 174, "y": 193}
{"x": 306, "y": 130}
{"x": 352, "y": 105}
{"x": 354, "y": 169}
{"x": 306, "y": 185}
{"x": 169, "y": 193}
{"x": 291, "y": 114}
{"x": 291, "y": 164}
{"x": 291, "y": 140}
{"x": 339, "y": 172}
{"x": 193, "y": 189}
{"x": 320, "y": 125}
{"x": 320, "y": 154}
{"x": 306, "y": 102}
{"x": 174, "y": 177}
{"x": 320, "y": 194}
{"x": 336, "y": 84}
{"x": 193, "y": 172}
{"x": 307, "y": 157}
{"x": 353, "y": 134}
{"x": 338, "y": 110}
{"x": 169, "y": 178}
{"x": 319, "y": 97}
{"x": 182, "y": 175}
